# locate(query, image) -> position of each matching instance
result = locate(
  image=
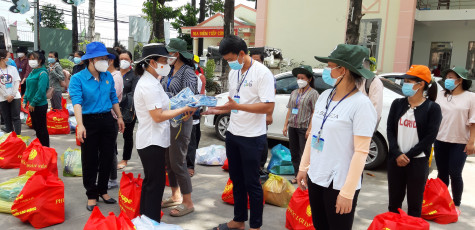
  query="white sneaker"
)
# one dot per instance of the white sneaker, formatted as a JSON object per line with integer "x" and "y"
{"x": 112, "y": 184}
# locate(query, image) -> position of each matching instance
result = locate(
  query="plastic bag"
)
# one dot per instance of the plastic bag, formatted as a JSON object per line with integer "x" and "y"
{"x": 71, "y": 161}
{"x": 4, "y": 137}
{"x": 186, "y": 97}
{"x": 228, "y": 195}
{"x": 11, "y": 151}
{"x": 23, "y": 117}
{"x": 25, "y": 139}
{"x": 28, "y": 121}
{"x": 98, "y": 221}
{"x": 211, "y": 155}
{"x": 299, "y": 214}
{"x": 10, "y": 189}
{"x": 72, "y": 123}
{"x": 391, "y": 220}
{"x": 129, "y": 194}
{"x": 225, "y": 165}
{"x": 145, "y": 223}
{"x": 70, "y": 109}
{"x": 278, "y": 191}
{"x": 37, "y": 157}
{"x": 281, "y": 161}
{"x": 438, "y": 204}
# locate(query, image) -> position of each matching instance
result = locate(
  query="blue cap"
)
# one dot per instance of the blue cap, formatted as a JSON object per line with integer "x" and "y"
{"x": 96, "y": 49}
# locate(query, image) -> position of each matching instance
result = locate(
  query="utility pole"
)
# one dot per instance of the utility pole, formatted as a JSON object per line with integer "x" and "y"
{"x": 36, "y": 22}
{"x": 92, "y": 23}
{"x": 116, "y": 30}
{"x": 75, "y": 27}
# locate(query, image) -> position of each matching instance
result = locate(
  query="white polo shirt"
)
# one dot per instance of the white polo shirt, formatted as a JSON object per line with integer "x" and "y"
{"x": 257, "y": 86}
{"x": 354, "y": 116}
{"x": 149, "y": 95}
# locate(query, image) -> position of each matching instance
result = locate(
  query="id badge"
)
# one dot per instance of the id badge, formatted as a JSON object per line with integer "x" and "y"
{"x": 19, "y": 70}
{"x": 236, "y": 98}
{"x": 295, "y": 111}
{"x": 8, "y": 85}
{"x": 317, "y": 143}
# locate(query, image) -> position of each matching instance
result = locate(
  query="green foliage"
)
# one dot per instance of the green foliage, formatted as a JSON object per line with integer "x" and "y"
{"x": 187, "y": 16}
{"x": 372, "y": 66}
{"x": 211, "y": 85}
{"x": 165, "y": 11}
{"x": 138, "y": 51}
{"x": 213, "y": 7}
{"x": 50, "y": 18}
{"x": 82, "y": 45}
{"x": 66, "y": 64}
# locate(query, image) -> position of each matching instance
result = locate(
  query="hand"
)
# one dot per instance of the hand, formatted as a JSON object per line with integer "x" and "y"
{"x": 81, "y": 133}
{"x": 230, "y": 105}
{"x": 269, "y": 120}
{"x": 211, "y": 111}
{"x": 302, "y": 180}
{"x": 189, "y": 111}
{"x": 284, "y": 131}
{"x": 343, "y": 205}
{"x": 469, "y": 148}
{"x": 307, "y": 133}
{"x": 10, "y": 98}
{"x": 402, "y": 160}
{"x": 31, "y": 108}
{"x": 120, "y": 123}
{"x": 23, "y": 81}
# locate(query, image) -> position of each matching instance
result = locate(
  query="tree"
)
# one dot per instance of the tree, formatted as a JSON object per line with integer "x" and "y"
{"x": 186, "y": 17}
{"x": 200, "y": 20}
{"x": 214, "y": 6}
{"x": 156, "y": 12}
{"x": 228, "y": 30}
{"x": 92, "y": 23}
{"x": 50, "y": 17}
{"x": 75, "y": 27}
{"x": 353, "y": 23}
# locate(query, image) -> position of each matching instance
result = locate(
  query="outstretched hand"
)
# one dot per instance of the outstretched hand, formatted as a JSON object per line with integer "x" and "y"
{"x": 230, "y": 105}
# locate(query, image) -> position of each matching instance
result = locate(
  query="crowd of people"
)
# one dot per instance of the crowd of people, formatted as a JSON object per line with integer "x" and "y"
{"x": 329, "y": 133}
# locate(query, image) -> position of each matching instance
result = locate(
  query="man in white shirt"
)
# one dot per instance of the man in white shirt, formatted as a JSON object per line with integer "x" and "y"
{"x": 251, "y": 97}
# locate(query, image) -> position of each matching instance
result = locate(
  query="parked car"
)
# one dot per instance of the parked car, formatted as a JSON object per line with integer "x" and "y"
{"x": 285, "y": 84}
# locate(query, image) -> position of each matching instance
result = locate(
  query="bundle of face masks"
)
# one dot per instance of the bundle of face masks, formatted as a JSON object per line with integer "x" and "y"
{"x": 186, "y": 97}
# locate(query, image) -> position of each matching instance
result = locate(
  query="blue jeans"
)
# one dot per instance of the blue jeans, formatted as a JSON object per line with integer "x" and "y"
{"x": 244, "y": 156}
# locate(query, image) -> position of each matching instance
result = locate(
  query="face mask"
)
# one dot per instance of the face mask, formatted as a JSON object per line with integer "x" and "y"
{"x": 162, "y": 70}
{"x": 20, "y": 55}
{"x": 407, "y": 89}
{"x": 33, "y": 63}
{"x": 10, "y": 62}
{"x": 77, "y": 60}
{"x": 327, "y": 77}
{"x": 196, "y": 66}
{"x": 101, "y": 66}
{"x": 235, "y": 65}
{"x": 450, "y": 84}
{"x": 171, "y": 61}
{"x": 124, "y": 64}
{"x": 302, "y": 83}
{"x": 51, "y": 60}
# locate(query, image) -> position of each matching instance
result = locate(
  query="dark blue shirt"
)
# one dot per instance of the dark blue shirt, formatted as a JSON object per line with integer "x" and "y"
{"x": 94, "y": 96}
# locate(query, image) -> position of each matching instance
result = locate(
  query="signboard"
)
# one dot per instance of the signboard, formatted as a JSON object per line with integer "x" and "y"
{"x": 209, "y": 33}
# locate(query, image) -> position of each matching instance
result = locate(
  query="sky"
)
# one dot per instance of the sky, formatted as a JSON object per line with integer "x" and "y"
{"x": 104, "y": 8}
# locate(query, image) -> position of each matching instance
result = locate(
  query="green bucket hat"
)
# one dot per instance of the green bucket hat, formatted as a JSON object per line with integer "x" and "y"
{"x": 179, "y": 45}
{"x": 460, "y": 71}
{"x": 350, "y": 57}
{"x": 303, "y": 69}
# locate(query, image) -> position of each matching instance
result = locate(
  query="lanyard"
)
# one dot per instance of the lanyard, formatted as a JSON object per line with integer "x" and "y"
{"x": 299, "y": 97}
{"x": 325, "y": 116}
{"x": 3, "y": 73}
{"x": 239, "y": 84}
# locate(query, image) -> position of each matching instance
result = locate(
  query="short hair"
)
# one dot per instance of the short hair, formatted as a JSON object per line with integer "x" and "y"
{"x": 40, "y": 55}
{"x": 55, "y": 54}
{"x": 80, "y": 53}
{"x": 3, "y": 53}
{"x": 261, "y": 55}
{"x": 128, "y": 53}
{"x": 232, "y": 44}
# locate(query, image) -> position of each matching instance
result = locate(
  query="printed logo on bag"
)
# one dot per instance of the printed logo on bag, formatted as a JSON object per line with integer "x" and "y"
{"x": 309, "y": 211}
{"x": 125, "y": 199}
{"x": 33, "y": 154}
{"x": 298, "y": 218}
{"x": 229, "y": 187}
{"x": 58, "y": 118}
{"x": 24, "y": 211}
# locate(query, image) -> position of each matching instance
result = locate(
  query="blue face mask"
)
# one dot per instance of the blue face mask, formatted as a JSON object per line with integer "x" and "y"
{"x": 450, "y": 84}
{"x": 10, "y": 62}
{"x": 235, "y": 65}
{"x": 51, "y": 60}
{"x": 407, "y": 89}
{"x": 77, "y": 60}
{"x": 327, "y": 76}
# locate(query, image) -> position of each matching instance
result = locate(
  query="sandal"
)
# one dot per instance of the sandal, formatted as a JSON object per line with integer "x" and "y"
{"x": 293, "y": 181}
{"x": 169, "y": 202}
{"x": 225, "y": 227}
{"x": 122, "y": 165}
{"x": 182, "y": 210}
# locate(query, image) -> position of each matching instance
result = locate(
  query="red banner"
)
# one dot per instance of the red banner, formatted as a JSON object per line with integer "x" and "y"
{"x": 209, "y": 33}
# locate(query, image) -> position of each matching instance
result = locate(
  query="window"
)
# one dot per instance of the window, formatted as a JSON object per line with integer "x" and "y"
{"x": 320, "y": 85}
{"x": 370, "y": 32}
{"x": 440, "y": 54}
{"x": 285, "y": 85}
{"x": 471, "y": 59}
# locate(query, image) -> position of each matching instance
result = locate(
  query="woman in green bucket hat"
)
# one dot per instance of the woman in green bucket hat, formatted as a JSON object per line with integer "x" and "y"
{"x": 181, "y": 76}
{"x": 343, "y": 123}
{"x": 456, "y": 136}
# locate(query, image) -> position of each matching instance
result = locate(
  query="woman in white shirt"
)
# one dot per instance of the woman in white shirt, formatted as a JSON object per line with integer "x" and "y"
{"x": 10, "y": 102}
{"x": 456, "y": 136}
{"x": 153, "y": 133}
{"x": 343, "y": 123}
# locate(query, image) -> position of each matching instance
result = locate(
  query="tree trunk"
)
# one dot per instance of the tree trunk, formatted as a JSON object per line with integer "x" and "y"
{"x": 154, "y": 25}
{"x": 160, "y": 34}
{"x": 92, "y": 24}
{"x": 200, "y": 20}
{"x": 353, "y": 24}
{"x": 228, "y": 30}
{"x": 75, "y": 27}
{"x": 193, "y": 3}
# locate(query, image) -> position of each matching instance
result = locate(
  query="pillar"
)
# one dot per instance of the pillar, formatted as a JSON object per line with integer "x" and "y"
{"x": 195, "y": 46}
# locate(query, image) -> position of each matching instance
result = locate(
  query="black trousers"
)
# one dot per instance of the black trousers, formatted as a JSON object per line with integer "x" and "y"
{"x": 128, "y": 136}
{"x": 244, "y": 156}
{"x": 194, "y": 143}
{"x": 412, "y": 178}
{"x": 113, "y": 175}
{"x": 265, "y": 153}
{"x": 450, "y": 159}
{"x": 38, "y": 120}
{"x": 23, "y": 88}
{"x": 153, "y": 161}
{"x": 296, "y": 146}
{"x": 322, "y": 202}
{"x": 97, "y": 152}
{"x": 11, "y": 114}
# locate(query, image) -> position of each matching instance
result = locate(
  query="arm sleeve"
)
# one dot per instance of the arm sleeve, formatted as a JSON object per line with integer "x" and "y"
{"x": 203, "y": 84}
{"x": 266, "y": 87}
{"x": 471, "y": 111}
{"x": 305, "y": 160}
{"x": 152, "y": 99}
{"x": 364, "y": 119}
{"x": 357, "y": 164}
{"x": 43, "y": 83}
{"x": 58, "y": 72}
{"x": 376, "y": 95}
{"x": 394, "y": 150}
{"x": 75, "y": 90}
{"x": 434, "y": 116}
{"x": 119, "y": 86}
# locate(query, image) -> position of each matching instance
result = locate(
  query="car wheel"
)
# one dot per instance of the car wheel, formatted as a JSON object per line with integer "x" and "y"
{"x": 221, "y": 125}
{"x": 377, "y": 152}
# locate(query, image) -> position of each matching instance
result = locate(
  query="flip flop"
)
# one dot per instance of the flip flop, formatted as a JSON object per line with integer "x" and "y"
{"x": 182, "y": 210}
{"x": 169, "y": 202}
{"x": 225, "y": 227}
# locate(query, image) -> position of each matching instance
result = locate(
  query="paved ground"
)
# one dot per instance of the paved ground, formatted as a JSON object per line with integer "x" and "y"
{"x": 208, "y": 185}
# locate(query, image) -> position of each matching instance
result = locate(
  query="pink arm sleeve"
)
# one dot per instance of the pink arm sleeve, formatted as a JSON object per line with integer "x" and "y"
{"x": 356, "y": 166}
{"x": 305, "y": 160}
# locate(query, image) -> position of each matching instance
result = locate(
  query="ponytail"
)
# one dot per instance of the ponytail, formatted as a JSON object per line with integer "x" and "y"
{"x": 142, "y": 65}
{"x": 431, "y": 91}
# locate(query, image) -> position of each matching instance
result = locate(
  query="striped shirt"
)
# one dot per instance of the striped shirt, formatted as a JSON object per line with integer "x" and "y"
{"x": 184, "y": 77}
{"x": 305, "y": 108}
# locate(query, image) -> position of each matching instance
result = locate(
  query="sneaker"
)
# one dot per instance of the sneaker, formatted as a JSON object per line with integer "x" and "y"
{"x": 112, "y": 184}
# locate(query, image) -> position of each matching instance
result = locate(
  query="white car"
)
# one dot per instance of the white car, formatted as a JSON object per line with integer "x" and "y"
{"x": 285, "y": 84}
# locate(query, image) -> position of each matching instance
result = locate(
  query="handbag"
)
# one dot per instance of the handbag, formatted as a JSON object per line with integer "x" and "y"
{"x": 127, "y": 108}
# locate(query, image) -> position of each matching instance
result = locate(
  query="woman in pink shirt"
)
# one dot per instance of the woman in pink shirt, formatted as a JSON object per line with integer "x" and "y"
{"x": 456, "y": 136}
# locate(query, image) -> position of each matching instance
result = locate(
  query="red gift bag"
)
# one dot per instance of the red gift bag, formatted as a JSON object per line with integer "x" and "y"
{"x": 225, "y": 165}
{"x": 97, "y": 221}
{"x": 299, "y": 214}
{"x": 41, "y": 201}
{"x": 167, "y": 182}
{"x": 129, "y": 195}
{"x": 228, "y": 196}
{"x": 28, "y": 121}
{"x": 438, "y": 205}
{"x": 402, "y": 221}
{"x": 57, "y": 122}
{"x": 11, "y": 151}
{"x": 78, "y": 142}
{"x": 37, "y": 157}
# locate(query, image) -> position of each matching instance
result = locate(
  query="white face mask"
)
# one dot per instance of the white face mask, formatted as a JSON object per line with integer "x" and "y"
{"x": 101, "y": 66}
{"x": 172, "y": 60}
{"x": 124, "y": 64}
{"x": 301, "y": 83}
{"x": 162, "y": 70}
{"x": 33, "y": 63}
{"x": 20, "y": 55}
